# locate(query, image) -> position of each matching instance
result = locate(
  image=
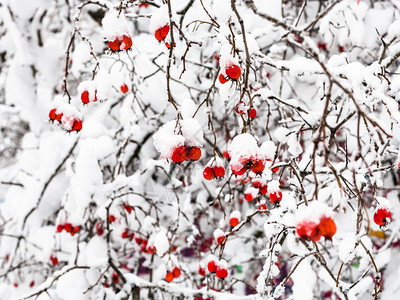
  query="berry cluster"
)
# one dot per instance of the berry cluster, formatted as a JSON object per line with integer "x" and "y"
{"x": 120, "y": 43}
{"x": 68, "y": 228}
{"x": 313, "y": 231}
{"x": 182, "y": 153}
{"x": 175, "y": 273}
{"x": 161, "y": 33}
{"x": 86, "y": 97}
{"x": 215, "y": 169}
{"x": 219, "y": 267}
{"x": 69, "y": 122}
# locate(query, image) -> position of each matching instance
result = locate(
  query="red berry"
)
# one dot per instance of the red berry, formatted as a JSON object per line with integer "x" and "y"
{"x": 169, "y": 277}
{"x": 125, "y": 234}
{"x": 211, "y": 266}
{"x": 179, "y": 154}
{"x": 32, "y": 283}
{"x": 252, "y": 113}
{"x": 256, "y": 184}
{"x": 99, "y": 228}
{"x": 54, "y": 260}
{"x": 77, "y": 125}
{"x": 59, "y": 117}
{"x": 240, "y": 171}
{"x": 60, "y": 228}
{"x": 111, "y": 218}
{"x": 127, "y": 207}
{"x": 126, "y": 42}
{"x": 143, "y": 5}
{"x": 124, "y": 88}
{"x": 275, "y": 197}
{"x": 322, "y": 45}
{"x": 219, "y": 171}
{"x": 52, "y": 114}
{"x": 228, "y": 157}
{"x": 114, "y": 45}
{"x": 307, "y": 229}
{"x": 208, "y": 173}
{"x": 221, "y": 272}
{"x": 264, "y": 189}
{"x": 258, "y": 166}
{"x": 222, "y": 78}
{"x": 176, "y": 272}
{"x": 15, "y": 284}
{"x": 275, "y": 169}
{"x": 76, "y": 228}
{"x": 327, "y": 227}
{"x": 85, "y": 97}
{"x": 202, "y": 271}
{"x": 233, "y": 71}
{"x": 115, "y": 278}
{"x": 234, "y": 222}
{"x": 194, "y": 153}
{"x": 262, "y": 207}
{"x": 249, "y": 197}
{"x": 68, "y": 227}
{"x": 161, "y": 33}
{"x": 382, "y": 216}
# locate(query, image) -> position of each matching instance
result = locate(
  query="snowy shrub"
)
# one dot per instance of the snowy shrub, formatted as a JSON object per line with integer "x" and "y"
{"x": 199, "y": 149}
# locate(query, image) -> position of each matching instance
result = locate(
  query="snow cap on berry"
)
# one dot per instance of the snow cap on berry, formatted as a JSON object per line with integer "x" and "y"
{"x": 226, "y": 58}
{"x": 115, "y": 26}
{"x": 165, "y": 140}
{"x": 314, "y": 212}
{"x": 192, "y": 132}
{"x": 160, "y": 18}
{"x": 242, "y": 148}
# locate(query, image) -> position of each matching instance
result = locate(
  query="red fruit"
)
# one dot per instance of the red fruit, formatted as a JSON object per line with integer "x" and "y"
{"x": 54, "y": 260}
{"x": 52, "y": 114}
{"x": 256, "y": 184}
{"x": 76, "y": 228}
{"x": 202, "y": 271}
{"x": 161, "y": 33}
{"x": 228, "y": 157}
{"x": 208, "y": 173}
{"x": 327, "y": 227}
{"x": 143, "y": 5}
{"x": 115, "y": 278}
{"x": 221, "y": 239}
{"x": 169, "y": 277}
{"x": 15, "y": 284}
{"x": 258, "y": 166}
{"x": 179, "y": 154}
{"x": 233, "y": 71}
{"x": 262, "y": 207}
{"x": 275, "y": 169}
{"x": 111, "y": 218}
{"x": 322, "y": 45}
{"x": 59, "y": 117}
{"x": 85, "y": 97}
{"x": 234, "y": 222}
{"x": 307, "y": 229}
{"x": 32, "y": 283}
{"x": 211, "y": 266}
{"x": 127, "y": 207}
{"x": 219, "y": 171}
{"x": 126, "y": 41}
{"x": 125, "y": 234}
{"x": 221, "y": 272}
{"x": 77, "y": 125}
{"x": 222, "y": 78}
{"x": 176, "y": 272}
{"x": 99, "y": 228}
{"x": 60, "y": 228}
{"x": 194, "y": 153}
{"x": 114, "y": 45}
{"x": 252, "y": 113}
{"x": 249, "y": 197}
{"x": 240, "y": 171}
{"x": 124, "y": 88}
{"x": 382, "y": 216}
{"x": 264, "y": 189}
{"x": 275, "y": 197}
{"x": 68, "y": 227}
